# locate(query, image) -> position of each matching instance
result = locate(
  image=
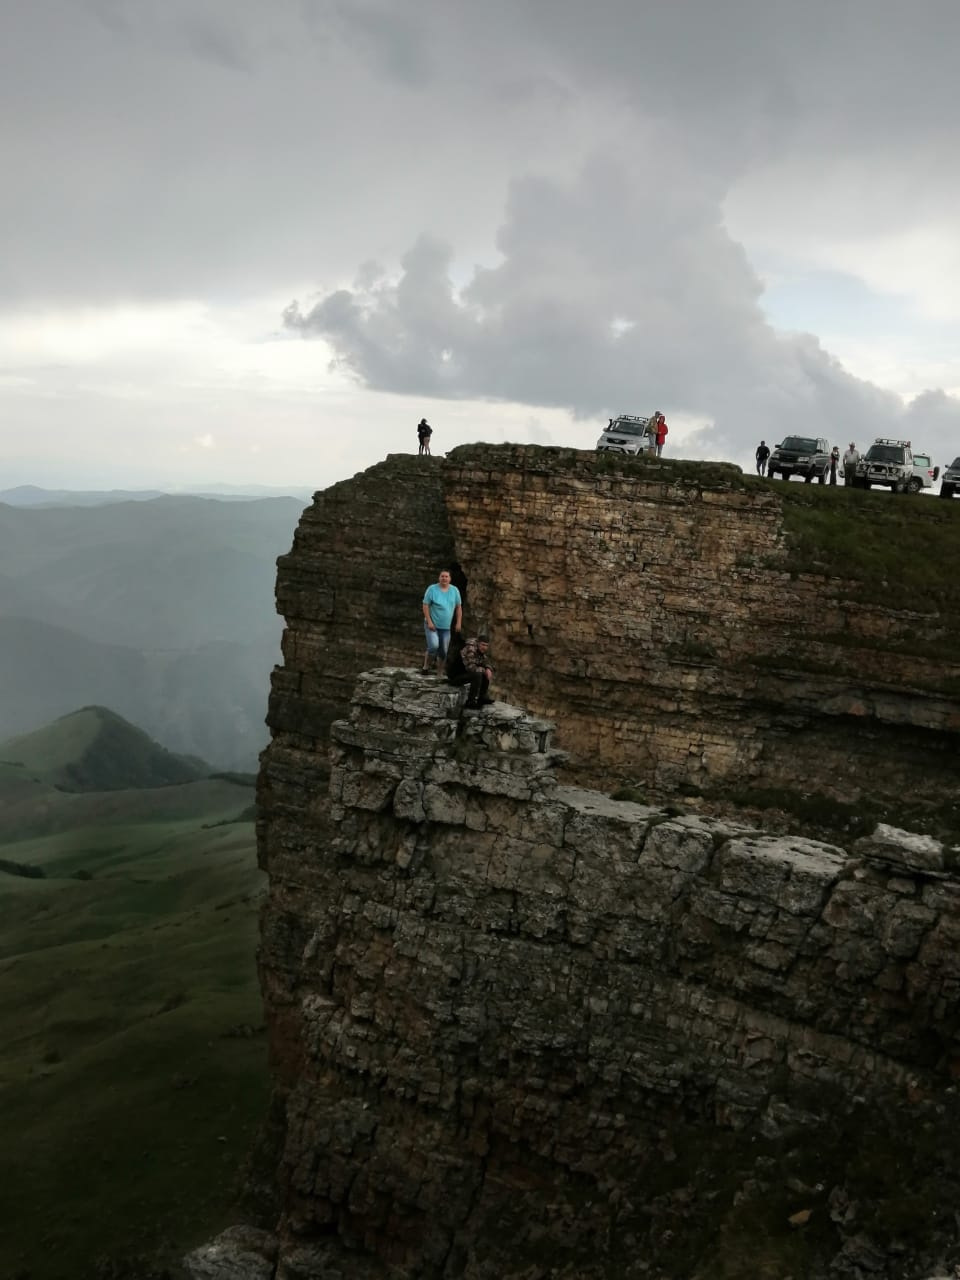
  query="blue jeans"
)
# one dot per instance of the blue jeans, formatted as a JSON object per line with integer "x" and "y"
{"x": 438, "y": 642}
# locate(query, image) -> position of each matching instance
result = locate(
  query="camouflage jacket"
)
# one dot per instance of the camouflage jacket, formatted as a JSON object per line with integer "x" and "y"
{"x": 471, "y": 657}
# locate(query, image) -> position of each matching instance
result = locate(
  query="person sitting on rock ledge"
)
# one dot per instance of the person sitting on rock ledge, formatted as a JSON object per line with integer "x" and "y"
{"x": 469, "y": 665}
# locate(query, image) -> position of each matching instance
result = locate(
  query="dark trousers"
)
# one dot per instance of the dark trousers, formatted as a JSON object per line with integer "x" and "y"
{"x": 478, "y": 682}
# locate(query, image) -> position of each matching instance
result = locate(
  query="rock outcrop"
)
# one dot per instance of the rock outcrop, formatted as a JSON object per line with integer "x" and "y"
{"x": 521, "y": 1030}
{"x": 684, "y": 623}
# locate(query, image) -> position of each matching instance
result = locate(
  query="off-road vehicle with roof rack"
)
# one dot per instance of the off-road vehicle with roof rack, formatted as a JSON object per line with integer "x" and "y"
{"x": 807, "y": 456}
{"x": 951, "y": 480}
{"x": 628, "y": 434}
{"x": 888, "y": 462}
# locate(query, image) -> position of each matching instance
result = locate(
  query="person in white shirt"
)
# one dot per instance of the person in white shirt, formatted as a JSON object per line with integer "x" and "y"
{"x": 850, "y": 460}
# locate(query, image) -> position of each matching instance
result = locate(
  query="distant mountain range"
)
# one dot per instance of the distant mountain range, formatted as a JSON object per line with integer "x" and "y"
{"x": 161, "y": 609}
{"x": 29, "y": 495}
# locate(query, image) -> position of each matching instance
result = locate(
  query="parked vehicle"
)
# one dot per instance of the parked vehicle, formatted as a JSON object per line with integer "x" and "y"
{"x": 628, "y": 434}
{"x": 807, "y": 456}
{"x": 951, "y": 480}
{"x": 890, "y": 463}
{"x": 924, "y": 468}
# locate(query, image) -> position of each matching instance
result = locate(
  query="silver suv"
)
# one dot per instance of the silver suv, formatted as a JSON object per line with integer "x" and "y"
{"x": 951, "y": 480}
{"x": 807, "y": 456}
{"x": 627, "y": 434}
{"x": 888, "y": 462}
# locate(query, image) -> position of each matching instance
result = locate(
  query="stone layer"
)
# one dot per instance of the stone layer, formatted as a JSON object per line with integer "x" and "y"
{"x": 493, "y": 998}
{"x": 654, "y": 615}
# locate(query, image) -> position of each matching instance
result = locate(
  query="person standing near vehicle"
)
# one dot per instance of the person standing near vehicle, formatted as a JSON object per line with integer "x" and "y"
{"x": 850, "y": 460}
{"x": 424, "y": 432}
{"x": 442, "y": 612}
{"x": 660, "y": 431}
{"x": 763, "y": 453}
{"x": 834, "y": 463}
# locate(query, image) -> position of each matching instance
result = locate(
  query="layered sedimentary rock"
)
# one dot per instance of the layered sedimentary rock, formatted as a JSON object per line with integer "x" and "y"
{"x": 661, "y": 613}
{"x": 519, "y": 1029}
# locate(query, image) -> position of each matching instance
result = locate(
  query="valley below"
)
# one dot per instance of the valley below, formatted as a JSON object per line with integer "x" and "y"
{"x": 132, "y": 1055}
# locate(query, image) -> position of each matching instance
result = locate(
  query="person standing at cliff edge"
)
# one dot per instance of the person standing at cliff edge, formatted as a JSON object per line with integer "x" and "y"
{"x": 442, "y": 610}
{"x": 850, "y": 460}
{"x": 763, "y": 453}
{"x": 424, "y": 432}
{"x": 660, "y": 431}
{"x": 470, "y": 665}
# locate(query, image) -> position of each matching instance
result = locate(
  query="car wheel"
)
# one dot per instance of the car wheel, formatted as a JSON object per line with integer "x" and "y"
{"x": 946, "y": 491}
{"x": 808, "y": 478}
{"x": 914, "y": 485}
{"x": 822, "y": 477}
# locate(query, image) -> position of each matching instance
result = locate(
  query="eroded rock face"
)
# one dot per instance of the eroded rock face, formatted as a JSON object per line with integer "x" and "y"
{"x": 656, "y": 615}
{"x": 521, "y": 1030}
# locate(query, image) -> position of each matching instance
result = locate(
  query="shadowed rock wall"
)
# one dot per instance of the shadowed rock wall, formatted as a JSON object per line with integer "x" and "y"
{"x": 351, "y": 586}
{"x": 523, "y": 1030}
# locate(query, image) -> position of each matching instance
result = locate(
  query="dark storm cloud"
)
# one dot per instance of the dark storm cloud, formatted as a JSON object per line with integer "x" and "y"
{"x": 221, "y": 149}
{"x": 610, "y": 295}
{"x": 143, "y": 164}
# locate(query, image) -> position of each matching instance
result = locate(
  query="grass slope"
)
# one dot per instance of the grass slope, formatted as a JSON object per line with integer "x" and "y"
{"x": 132, "y": 1073}
{"x": 94, "y": 749}
{"x": 898, "y": 550}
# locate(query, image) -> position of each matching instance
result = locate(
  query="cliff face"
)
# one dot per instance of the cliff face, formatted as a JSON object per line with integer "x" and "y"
{"x": 522, "y": 1030}
{"x": 689, "y": 627}
{"x": 351, "y": 587}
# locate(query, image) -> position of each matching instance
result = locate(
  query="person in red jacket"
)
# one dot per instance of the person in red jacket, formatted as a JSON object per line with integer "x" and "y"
{"x": 661, "y": 430}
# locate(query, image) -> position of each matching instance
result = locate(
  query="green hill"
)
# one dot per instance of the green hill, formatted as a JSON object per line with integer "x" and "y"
{"x": 96, "y": 750}
{"x": 208, "y": 701}
{"x": 132, "y": 1060}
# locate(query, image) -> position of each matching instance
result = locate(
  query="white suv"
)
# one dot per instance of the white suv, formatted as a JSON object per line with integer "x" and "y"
{"x": 888, "y": 462}
{"x": 924, "y": 468}
{"x": 627, "y": 434}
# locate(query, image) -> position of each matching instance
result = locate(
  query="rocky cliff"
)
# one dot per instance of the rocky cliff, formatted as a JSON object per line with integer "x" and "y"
{"x": 522, "y": 1030}
{"x": 689, "y": 627}
{"x": 519, "y": 1029}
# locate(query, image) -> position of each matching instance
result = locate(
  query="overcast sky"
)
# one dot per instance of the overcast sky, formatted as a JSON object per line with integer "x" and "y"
{"x": 255, "y": 242}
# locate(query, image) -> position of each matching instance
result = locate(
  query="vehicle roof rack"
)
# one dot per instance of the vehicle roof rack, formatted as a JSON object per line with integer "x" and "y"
{"x": 904, "y": 444}
{"x": 630, "y": 417}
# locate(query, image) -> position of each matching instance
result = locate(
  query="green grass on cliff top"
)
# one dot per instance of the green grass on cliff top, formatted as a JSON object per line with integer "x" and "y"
{"x": 901, "y": 549}
{"x": 132, "y": 1071}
